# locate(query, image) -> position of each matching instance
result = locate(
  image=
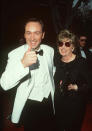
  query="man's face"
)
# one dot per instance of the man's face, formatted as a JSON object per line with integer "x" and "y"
{"x": 33, "y": 34}
{"x": 82, "y": 41}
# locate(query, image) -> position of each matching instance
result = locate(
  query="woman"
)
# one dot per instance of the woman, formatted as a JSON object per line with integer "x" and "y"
{"x": 71, "y": 82}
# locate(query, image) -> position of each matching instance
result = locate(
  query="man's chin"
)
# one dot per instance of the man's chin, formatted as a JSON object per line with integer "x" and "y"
{"x": 35, "y": 48}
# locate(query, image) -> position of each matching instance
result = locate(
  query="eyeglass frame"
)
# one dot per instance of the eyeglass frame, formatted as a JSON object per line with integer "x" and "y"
{"x": 66, "y": 44}
{"x": 82, "y": 40}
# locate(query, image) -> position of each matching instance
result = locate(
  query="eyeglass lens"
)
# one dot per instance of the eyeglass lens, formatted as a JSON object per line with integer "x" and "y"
{"x": 83, "y": 40}
{"x": 67, "y": 44}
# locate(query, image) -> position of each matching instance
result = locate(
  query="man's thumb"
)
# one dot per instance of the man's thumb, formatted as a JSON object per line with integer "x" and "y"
{"x": 29, "y": 49}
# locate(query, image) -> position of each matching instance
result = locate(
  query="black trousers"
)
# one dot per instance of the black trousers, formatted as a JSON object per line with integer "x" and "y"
{"x": 38, "y": 116}
{"x": 69, "y": 112}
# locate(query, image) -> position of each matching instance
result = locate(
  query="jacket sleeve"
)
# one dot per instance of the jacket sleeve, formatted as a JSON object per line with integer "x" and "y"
{"x": 84, "y": 79}
{"x": 54, "y": 68}
{"x": 13, "y": 73}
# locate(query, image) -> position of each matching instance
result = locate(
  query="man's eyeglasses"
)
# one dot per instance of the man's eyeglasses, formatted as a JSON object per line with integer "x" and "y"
{"x": 83, "y": 40}
{"x": 67, "y": 44}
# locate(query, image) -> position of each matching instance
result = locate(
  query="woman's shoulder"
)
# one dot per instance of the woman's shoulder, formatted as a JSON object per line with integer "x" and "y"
{"x": 81, "y": 59}
{"x": 82, "y": 63}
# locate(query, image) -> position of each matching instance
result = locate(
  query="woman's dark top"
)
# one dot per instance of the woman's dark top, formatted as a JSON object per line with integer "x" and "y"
{"x": 70, "y": 105}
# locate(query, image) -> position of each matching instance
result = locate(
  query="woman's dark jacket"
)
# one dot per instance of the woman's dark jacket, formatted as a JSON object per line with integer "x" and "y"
{"x": 70, "y": 105}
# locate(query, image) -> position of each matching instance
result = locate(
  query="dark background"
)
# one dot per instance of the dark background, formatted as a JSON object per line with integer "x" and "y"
{"x": 14, "y": 14}
{"x": 56, "y": 15}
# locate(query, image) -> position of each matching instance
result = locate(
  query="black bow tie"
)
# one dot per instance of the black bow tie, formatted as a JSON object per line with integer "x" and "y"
{"x": 40, "y": 52}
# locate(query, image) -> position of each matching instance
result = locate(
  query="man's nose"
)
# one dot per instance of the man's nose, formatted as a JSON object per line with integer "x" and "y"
{"x": 32, "y": 36}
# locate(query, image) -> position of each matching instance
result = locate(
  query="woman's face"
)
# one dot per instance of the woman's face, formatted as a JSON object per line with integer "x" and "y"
{"x": 65, "y": 47}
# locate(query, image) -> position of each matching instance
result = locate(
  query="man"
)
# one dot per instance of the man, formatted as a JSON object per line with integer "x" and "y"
{"x": 85, "y": 52}
{"x": 82, "y": 42}
{"x": 33, "y": 74}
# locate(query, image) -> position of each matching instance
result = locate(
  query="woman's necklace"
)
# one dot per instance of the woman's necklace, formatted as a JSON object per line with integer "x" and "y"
{"x": 68, "y": 58}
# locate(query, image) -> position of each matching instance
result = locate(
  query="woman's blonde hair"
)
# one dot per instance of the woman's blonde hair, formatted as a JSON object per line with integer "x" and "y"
{"x": 69, "y": 35}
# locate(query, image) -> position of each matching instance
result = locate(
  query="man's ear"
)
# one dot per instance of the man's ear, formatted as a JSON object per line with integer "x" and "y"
{"x": 24, "y": 35}
{"x": 43, "y": 35}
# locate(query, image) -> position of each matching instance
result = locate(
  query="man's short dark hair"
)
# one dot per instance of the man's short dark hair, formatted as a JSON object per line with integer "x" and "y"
{"x": 36, "y": 20}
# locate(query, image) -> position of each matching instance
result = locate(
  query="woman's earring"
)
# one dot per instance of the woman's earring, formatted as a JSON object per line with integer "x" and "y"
{"x": 72, "y": 49}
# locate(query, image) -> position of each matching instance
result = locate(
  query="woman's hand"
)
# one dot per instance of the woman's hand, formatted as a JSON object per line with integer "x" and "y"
{"x": 73, "y": 87}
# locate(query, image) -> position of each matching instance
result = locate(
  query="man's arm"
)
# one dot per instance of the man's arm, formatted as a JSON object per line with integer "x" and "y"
{"x": 13, "y": 73}
{"x": 17, "y": 68}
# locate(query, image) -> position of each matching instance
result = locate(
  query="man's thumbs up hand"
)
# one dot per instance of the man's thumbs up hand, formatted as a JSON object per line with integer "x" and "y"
{"x": 29, "y": 58}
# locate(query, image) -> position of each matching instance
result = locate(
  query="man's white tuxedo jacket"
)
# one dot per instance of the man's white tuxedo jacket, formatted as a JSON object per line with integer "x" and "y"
{"x": 15, "y": 71}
